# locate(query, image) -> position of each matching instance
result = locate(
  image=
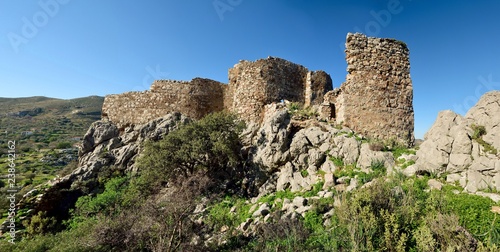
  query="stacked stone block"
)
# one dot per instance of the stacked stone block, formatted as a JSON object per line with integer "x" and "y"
{"x": 377, "y": 97}
{"x": 194, "y": 98}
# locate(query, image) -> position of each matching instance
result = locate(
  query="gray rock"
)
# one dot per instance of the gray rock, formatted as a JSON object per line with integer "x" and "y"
{"x": 487, "y": 113}
{"x": 329, "y": 181}
{"x": 299, "y": 201}
{"x": 286, "y": 178}
{"x": 328, "y": 166}
{"x": 347, "y": 148}
{"x": 98, "y": 133}
{"x": 352, "y": 185}
{"x": 263, "y": 210}
{"x": 434, "y": 184}
{"x": 302, "y": 210}
{"x": 434, "y": 152}
{"x": 476, "y": 181}
{"x": 368, "y": 156}
{"x": 493, "y": 196}
{"x": 272, "y": 138}
{"x": 410, "y": 170}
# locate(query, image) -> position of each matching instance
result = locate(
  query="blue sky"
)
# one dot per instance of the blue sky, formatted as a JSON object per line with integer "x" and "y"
{"x": 75, "y": 48}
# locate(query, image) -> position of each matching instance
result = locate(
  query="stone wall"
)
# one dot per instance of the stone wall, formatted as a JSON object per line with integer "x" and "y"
{"x": 252, "y": 85}
{"x": 376, "y": 99}
{"x": 194, "y": 98}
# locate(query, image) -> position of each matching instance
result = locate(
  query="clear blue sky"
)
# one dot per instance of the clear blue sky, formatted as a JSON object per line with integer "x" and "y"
{"x": 75, "y": 48}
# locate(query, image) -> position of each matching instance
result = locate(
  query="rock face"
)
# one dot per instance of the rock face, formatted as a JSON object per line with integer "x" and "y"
{"x": 103, "y": 150}
{"x": 455, "y": 146}
{"x": 377, "y": 98}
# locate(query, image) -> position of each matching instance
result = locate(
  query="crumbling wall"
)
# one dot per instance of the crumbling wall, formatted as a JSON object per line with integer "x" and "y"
{"x": 194, "y": 98}
{"x": 377, "y": 96}
{"x": 255, "y": 84}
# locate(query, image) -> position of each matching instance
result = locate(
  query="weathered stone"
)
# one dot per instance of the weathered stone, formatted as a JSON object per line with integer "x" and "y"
{"x": 286, "y": 178}
{"x": 328, "y": 166}
{"x": 302, "y": 210}
{"x": 476, "y": 181}
{"x": 434, "y": 184}
{"x": 346, "y": 148}
{"x": 98, "y": 133}
{"x": 263, "y": 210}
{"x": 410, "y": 170}
{"x": 376, "y": 99}
{"x": 367, "y": 157}
{"x": 272, "y": 138}
{"x": 329, "y": 181}
{"x": 299, "y": 201}
{"x": 487, "y": 113}
{"x": 493, "y": 196}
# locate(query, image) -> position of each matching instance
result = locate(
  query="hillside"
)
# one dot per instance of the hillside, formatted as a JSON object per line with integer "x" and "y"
{"x": 46, "y": 132}
{"x": 292, "y": 183}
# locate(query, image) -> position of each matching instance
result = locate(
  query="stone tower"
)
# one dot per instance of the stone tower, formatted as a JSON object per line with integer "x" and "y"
{"x": 255, "y": 84}
{"x": 376, "y": 99}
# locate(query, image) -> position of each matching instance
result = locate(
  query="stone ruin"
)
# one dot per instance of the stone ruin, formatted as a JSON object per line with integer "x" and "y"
{"x": 376, "y": 99}
{"x": 251, "y": 86}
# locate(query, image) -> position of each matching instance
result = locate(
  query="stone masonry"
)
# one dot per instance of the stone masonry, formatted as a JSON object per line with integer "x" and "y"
{"x": 251, "y": 86}
{"x": 376, "y": 99}
{"x": 195, "y": 99}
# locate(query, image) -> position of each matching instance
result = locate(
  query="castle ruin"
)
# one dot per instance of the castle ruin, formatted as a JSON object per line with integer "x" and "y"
{"x": 376, "y": 99}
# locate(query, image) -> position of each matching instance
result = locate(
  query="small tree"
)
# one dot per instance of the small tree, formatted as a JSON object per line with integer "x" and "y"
{"x": 211, "y": 146}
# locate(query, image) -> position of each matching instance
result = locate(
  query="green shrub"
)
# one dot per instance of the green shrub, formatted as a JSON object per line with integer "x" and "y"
{"x": 338, "y": 162}
{"x": 63, "y": 145}
{"x": 304, "y": 173}
{"x": 40, "y": 224}
{"x": 478, "y": 131}
{"x": 210, "y": 145}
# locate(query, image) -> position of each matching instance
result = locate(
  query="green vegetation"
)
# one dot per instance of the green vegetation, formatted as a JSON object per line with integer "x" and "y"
{"x": 351, "y": 171}
{"x": 478, "y": 133}
{"x": 199, "y": 166}
{"x": 298, "y": 111}
{"x": 41, "y": 128}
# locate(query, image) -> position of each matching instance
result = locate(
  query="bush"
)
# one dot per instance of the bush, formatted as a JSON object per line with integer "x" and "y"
{"x": 40, "y": 224}
{"x": 63, "y": 145}
{"x": 210, "y": 145}
{"x": 478, "y": 131}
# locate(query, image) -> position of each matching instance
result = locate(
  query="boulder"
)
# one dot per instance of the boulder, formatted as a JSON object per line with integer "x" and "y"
{"x": 272, "y": 138}
{"x": 367, "y": 156}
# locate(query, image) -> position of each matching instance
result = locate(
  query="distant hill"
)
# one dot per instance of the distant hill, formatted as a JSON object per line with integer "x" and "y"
{"x": 42, "y": 115}
{"x": 46, "y": 132}
{"x": 45, "y": 121}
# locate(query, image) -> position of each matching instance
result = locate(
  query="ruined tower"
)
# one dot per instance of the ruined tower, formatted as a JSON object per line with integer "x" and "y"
{"x": 376, "y": 99}
{"x": 255, "y": 84}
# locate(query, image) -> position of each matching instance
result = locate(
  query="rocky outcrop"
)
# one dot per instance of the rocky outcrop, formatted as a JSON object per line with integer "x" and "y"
{"x": 103, "y": 151}
{"x": 465, "y": 148}
{"x": 296, "y": 155}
